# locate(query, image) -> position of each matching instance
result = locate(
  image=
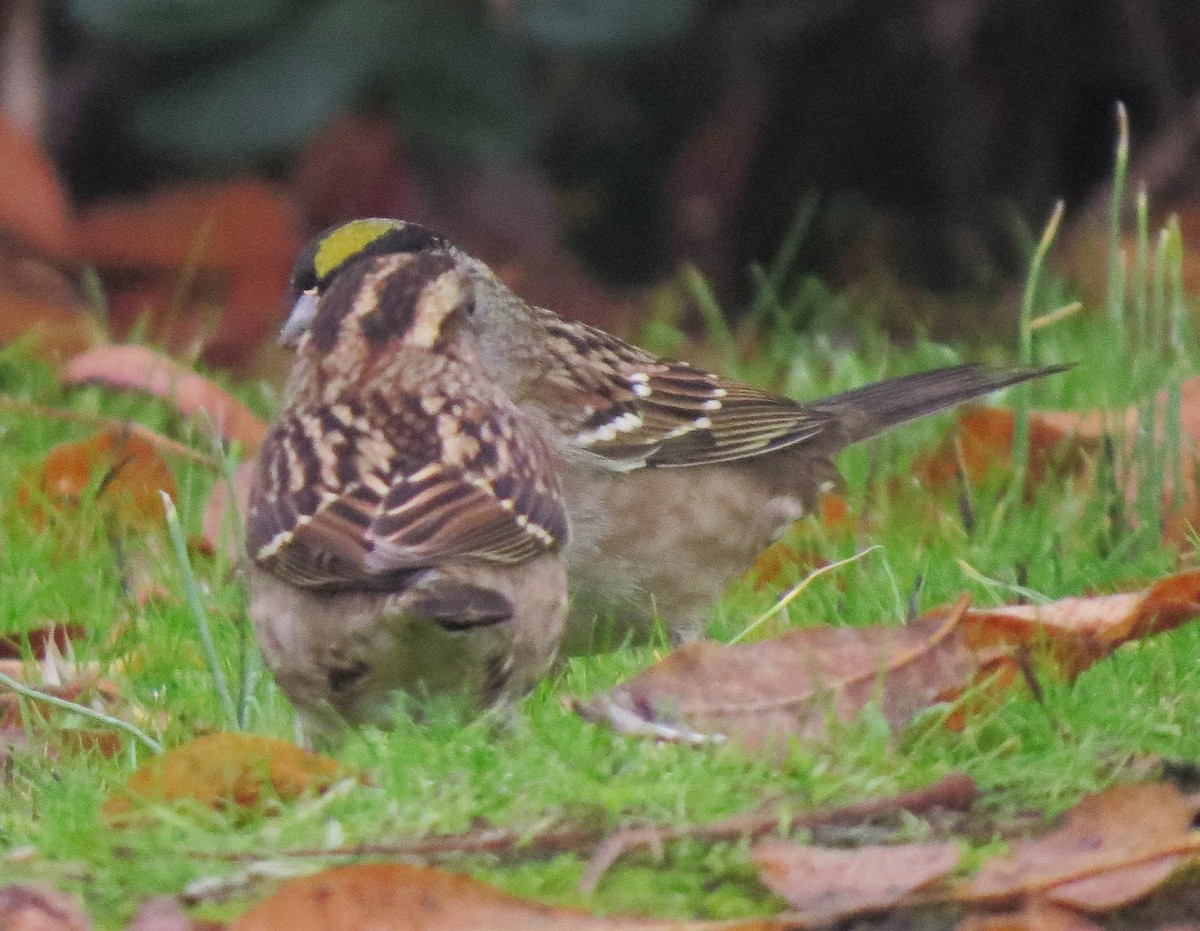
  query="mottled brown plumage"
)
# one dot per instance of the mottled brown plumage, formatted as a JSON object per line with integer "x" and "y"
{"x": 406, "y": 519}
{"x": 674, "y": 478}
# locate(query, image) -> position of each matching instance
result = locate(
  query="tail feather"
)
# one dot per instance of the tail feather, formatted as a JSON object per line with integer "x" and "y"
{"x": 870, "y": 410}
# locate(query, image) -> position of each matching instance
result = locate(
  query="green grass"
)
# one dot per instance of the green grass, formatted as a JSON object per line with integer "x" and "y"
{"x": 541, "y": 764}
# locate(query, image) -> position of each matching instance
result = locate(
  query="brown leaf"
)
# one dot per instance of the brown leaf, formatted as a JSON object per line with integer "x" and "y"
{"x": 225, "y": 225}
{"x": 242, "y": 233}
{"x": 141, "y": 369}
{"x": 1116, "y": 847}
{"x": 1037, "y": 915}
{"x": 826, "y": 885}
{"x": 221, "y": 770}
{"x": 33, "y": 202}
{"x": 1061, "y": 441}
{"x": 399, "y": 897}
{"x": 123, "y": 469}
{"x": 794, "y": 684}
{"x": 1078, "y": 631}
{"x": 39, "y": 908}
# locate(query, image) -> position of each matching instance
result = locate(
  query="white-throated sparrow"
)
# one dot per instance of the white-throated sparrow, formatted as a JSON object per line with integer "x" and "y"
{"x": 647, "y": 536}
{"x": 405, "y": 521}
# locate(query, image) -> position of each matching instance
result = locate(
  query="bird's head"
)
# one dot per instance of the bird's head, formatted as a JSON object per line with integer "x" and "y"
{"x": 334, "y": 253}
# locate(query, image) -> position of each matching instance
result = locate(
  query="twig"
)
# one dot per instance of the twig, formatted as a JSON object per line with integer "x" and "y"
{"x": 161, "y": 443}
{"x": 956, "y": 791}
{"x": 483, "y": 840}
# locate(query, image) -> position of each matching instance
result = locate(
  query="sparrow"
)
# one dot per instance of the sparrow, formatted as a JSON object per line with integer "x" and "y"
{"x": 674, "y": 479}
{"x": 406, "y": 525}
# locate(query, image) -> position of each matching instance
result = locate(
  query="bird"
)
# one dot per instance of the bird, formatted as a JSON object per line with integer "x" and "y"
{"x": 405, "y": 522}
{"x": 674, "y": 479}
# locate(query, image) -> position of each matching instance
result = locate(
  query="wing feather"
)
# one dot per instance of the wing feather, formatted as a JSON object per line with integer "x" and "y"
{"x": 323, "y": 518}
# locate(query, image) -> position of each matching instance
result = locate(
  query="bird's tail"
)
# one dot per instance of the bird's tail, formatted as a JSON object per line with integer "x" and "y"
{"x": 870, "y": 410}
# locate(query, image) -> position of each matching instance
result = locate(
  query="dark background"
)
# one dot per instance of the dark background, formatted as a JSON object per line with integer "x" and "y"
{"x": 589, "y": 147}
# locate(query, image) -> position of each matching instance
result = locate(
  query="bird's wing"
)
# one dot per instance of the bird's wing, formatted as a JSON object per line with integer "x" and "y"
{"x": 364, "y": 493}
{"x": 638, "y": 410}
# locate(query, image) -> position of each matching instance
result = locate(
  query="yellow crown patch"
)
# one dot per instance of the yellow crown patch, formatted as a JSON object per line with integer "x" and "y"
{"x": 348, "y": 239}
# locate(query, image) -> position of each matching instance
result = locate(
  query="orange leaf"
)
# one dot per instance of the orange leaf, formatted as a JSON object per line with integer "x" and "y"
{"x": 400, "y": 897}
{"x": 124, "y": 468}
{"x": 827, "y": 886}
{"x": 1116, "y": 847}
{"x": 793, "y": 685}
{"x": 33, "y": 202}
{"x": 221, "y": 770}
{"x": 142, "y": 369}
{"x": 241, "y": 233}
{"x": 225, "y": 225}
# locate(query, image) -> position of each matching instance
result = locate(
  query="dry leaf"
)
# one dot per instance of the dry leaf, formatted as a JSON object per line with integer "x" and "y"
{"x": 124, "y": 470}
{"x": 1116, "y": 847}
{"x": 793, "y": 685}
{"x": 1037, "y": 915}
{"x": 33, "y": 202}
{"x": 239, "y": 234}
{"x": 1061, "y": 441}
{"x": 142, "y": 369}
{"x": 399, "y": 897}
{"x": 221, "y": 770}
{"x": 1078, "y": 631}
{"x": 39, "y": 908}
{"x": 826, "y": 885}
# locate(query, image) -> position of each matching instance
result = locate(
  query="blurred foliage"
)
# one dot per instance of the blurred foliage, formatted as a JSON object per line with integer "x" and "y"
{"x": 934, "y": 134}
{"x": 234, "y": 81}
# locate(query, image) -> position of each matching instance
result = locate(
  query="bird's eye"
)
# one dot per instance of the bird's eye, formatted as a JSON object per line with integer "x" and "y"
{"x": 304, "y": 311}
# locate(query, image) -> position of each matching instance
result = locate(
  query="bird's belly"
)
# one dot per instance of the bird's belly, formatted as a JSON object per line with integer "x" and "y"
{"x": 668, "y": 542}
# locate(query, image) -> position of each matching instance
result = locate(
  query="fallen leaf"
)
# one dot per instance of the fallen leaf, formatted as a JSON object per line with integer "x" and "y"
{"x": 39, "y": 908}
{"x": 139, "y": 368}
{"x": 1037, "y": 915}
{"x": 399, "y": 897}
{"x": 825, "y": 885}
{"x": 33, "y": 201}
{"x": 793, "y": 685}
{"x": 243, "y": 232}
{"x": 1116, "y": 847}
{"x": 226, "y": 225}
{"x": 985, "y": 436}
{"x": 1061, "y": 442}
{"x": 1075, "y": 632}
{"x": 222, "y": 770}
{"x": 122, "y": 468}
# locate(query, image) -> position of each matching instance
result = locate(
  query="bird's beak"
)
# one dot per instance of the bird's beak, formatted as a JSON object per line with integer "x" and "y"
{"x": 300, "y": 319}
